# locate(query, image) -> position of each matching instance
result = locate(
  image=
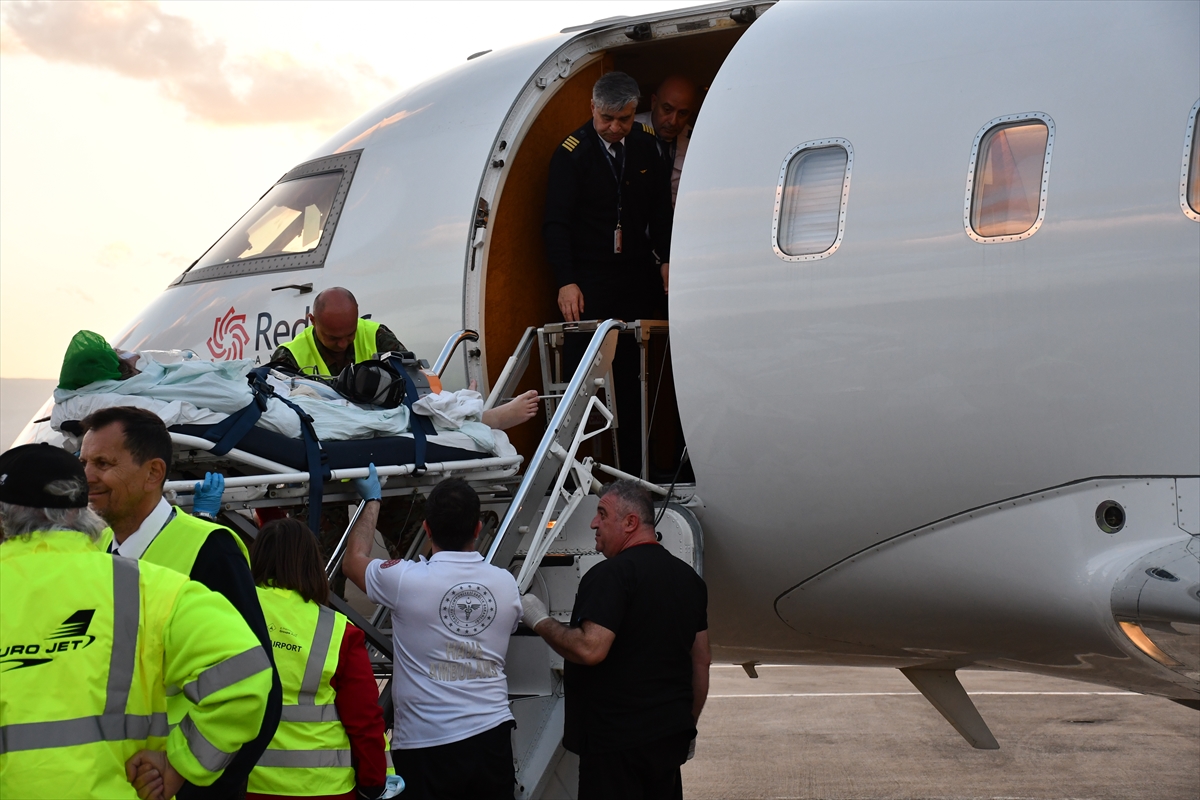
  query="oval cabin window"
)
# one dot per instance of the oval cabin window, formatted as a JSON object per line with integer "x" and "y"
{"x": 1010, "y": 170}
{"x": 810, "y": 202}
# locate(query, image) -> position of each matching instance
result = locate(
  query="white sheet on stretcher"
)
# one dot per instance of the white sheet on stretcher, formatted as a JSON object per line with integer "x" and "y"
{"x": 185, "y": 390}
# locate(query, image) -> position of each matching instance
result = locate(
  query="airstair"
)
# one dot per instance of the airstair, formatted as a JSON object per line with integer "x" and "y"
{"x": 540, "y": 528}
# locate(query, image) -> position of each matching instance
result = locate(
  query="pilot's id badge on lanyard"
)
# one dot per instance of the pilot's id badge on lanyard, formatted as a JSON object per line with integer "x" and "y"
{"x": 617, "y": 240}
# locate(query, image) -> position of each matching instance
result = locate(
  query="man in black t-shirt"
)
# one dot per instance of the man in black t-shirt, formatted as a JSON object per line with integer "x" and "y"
{"x": 637, "y": 656}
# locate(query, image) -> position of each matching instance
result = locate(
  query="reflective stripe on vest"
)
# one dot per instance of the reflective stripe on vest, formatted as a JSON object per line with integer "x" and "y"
{"x": 226, "y": 674}
{"x": 308, "y": 358}
{"x": 114, "y": 724}
{"x": 209, "y": 755}
{"x": 310, "y": 748}
{"x": 306, "y": 759}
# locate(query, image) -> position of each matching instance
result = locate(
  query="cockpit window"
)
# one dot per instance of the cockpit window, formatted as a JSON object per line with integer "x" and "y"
{"x": 290, "y": 227}
{"x": 1008, "y": 177}
{"x": 810, "y": 201}
{"x": 1189, "y": 179}
{"x": 288, "y": 219}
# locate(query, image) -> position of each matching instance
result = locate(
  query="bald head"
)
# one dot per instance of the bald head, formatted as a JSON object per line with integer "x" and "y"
{"x": 672, "y": 107}
{"x": 335, "y": 318}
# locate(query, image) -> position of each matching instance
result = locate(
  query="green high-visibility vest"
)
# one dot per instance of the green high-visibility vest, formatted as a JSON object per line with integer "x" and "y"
{"x": 186, "y": 535}
{"x": 310, "y": 753}
{"x": 176, "y": 547}
{"x": 179, "y": 542}
{"x": 88, "y": 645}
{"x": 308, "y": 358}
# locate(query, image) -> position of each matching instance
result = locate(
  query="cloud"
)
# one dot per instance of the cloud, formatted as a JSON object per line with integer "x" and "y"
{"x": 139, "y": 40}
{"x": 114, "y": 255}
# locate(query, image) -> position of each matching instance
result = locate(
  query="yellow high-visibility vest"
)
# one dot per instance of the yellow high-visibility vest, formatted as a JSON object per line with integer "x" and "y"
{"x": 176, "y": 547}
{"x": 89, "y": 644}
{"x": 310, "y": 753}
{"x": 179, "y": 542}
{"x": 308, "y": 358}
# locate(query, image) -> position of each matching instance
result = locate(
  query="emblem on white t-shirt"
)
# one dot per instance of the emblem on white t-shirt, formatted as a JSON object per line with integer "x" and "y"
{"x": 468, "y": 609}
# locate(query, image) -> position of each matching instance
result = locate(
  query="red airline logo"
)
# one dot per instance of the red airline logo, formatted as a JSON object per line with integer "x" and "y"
{"x": 229, "y": 337}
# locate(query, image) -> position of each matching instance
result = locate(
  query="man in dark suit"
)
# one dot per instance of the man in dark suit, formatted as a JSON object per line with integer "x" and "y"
{"x": 607, "y": 232}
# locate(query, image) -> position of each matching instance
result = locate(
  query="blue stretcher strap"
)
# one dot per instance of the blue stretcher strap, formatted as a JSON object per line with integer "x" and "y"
{"x": 228, "y": 432}
{"x": 420, "y": 425}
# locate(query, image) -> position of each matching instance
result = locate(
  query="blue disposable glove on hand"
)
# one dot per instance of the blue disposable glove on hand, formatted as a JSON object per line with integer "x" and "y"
{"x": 368, "y": 487}
{"x": 207, "y": 496}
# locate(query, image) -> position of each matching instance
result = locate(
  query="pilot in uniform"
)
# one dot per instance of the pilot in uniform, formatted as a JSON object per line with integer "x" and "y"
{"x": 607, "y": 231}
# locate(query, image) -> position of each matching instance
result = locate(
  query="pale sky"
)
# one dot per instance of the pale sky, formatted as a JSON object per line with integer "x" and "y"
{"x": 132, "y": 135}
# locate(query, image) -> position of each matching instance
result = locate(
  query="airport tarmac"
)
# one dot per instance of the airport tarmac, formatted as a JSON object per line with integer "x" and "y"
{"x": 822, "y": 732}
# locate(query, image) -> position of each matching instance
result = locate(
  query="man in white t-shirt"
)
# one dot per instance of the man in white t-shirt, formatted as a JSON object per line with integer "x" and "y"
{"x": 452, "y": 616}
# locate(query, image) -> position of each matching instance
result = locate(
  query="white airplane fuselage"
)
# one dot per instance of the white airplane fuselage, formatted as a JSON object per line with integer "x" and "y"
{"x": 901, "y": 447}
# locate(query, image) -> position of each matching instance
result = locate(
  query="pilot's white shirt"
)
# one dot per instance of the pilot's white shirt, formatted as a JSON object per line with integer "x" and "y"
{"x": 141, "y": 539}
{"x": 451, "y": 620}
{"x": 681, "y": 145}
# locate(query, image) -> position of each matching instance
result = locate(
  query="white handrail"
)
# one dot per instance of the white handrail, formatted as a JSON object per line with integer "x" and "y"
{"x": 544, "y": 535}
{"x": 509, "y": 366}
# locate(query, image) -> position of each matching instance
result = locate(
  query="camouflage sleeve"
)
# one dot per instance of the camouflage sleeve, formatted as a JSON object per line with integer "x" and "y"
{"x": 386, "y": 341}
{"x": 284, "y": 358}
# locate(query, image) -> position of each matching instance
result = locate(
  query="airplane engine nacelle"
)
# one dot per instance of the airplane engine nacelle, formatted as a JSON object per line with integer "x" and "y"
{"x": 1157, "y": 605}
{"x": 1096, "y": 592}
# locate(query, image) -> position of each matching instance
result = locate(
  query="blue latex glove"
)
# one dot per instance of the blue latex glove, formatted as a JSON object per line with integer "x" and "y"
{"x": 207, "y": 495}
{"x": 368, "y": 487}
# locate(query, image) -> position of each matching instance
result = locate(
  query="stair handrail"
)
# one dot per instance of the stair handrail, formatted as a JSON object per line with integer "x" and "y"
{"x": 522, "y": 496}
{"x": 456, "y": 338}
{"x": 520, "y": 353}
{"x": 546, "y": 531}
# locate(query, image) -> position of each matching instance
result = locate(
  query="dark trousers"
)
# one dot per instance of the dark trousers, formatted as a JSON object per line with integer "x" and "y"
{"x": 627, "y": 298}
{"x": 479, "y": 767}
{"x": 627, "y": 390}
{"x": 646, "y": 772}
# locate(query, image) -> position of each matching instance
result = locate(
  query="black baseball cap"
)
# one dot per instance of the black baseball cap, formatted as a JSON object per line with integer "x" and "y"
{"x": 42, "y": 476}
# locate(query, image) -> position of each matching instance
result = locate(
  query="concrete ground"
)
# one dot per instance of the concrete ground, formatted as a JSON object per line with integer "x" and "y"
{"x": 820, "y": 732}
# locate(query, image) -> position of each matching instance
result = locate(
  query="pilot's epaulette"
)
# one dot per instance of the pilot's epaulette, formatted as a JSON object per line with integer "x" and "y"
{"x": 570, "y": 143}
{"x": 647, "y": 128}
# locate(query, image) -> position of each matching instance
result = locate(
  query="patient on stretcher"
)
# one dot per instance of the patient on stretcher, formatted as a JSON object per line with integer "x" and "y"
{"x": 184, "y": 389}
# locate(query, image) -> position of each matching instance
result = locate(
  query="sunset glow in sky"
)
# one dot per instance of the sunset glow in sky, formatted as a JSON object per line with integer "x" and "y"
{"x": 132, "y": 135}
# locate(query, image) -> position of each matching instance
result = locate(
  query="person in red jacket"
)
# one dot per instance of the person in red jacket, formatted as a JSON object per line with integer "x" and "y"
{"x": 288, "y": 573}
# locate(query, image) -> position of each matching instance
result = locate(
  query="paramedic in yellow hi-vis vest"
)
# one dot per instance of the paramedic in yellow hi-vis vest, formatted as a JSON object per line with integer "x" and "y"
{"x": 126, "y": 453}
{"x": 330, "y": 740}
{"x": 91, "y": 645}
{"x": 335, "y": 337}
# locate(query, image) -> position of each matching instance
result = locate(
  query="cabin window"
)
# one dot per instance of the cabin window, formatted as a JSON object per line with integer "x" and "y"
{"x": 1008, "y": 177}
{"x": 1189, "y": 179}
{"x": 810, "y": 201}
{"x": 290, "y": 227}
